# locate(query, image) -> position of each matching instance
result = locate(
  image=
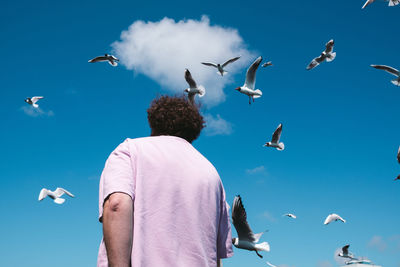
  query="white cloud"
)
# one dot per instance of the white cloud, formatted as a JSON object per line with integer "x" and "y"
{"x": 267, "y": 215}
{"x": 259, "y": 169}
{"x": 162, "y": 50}
{"x": 378, "y": 243}
{"x": 36, "y": 112}
{"x": 216, "y": 125}
{"x": 324, "y": 264}
{"x": 339, "y": 260}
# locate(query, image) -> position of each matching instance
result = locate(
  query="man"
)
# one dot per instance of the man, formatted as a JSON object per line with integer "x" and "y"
{"x": 161, "y": 202}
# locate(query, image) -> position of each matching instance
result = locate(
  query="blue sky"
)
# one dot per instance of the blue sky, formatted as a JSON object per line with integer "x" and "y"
{"x": 340, "y": 125}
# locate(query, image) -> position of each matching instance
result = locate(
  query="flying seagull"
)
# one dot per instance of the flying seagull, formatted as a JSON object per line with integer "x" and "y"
{"x": 398, "y": 155}
{"x": 246, "y": 238}
{"x": 391, "y": 3}
{"x": 56, "y": 194}
{"x": 290, "y": 215}
{"x": 110, "y": 58}
{"x": 271, "y": 265}
{"x": 398, "y": 159}
{"x": 327, "y": 55}
{"x": 193, "y": 88}
{"x": 275, "y": 139}
{"x": 391, "y": 70}
{"x": 345, "y": 253}
{"x": 333, "y": 217}
{"x": 249, "y": 84}
{"x": 220, "y": 67}
{"x": 266, "y": 64}
{"x": 32, "y": 101}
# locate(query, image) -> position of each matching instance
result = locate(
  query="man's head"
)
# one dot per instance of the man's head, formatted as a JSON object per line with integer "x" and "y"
{"x": 175, "y": 116}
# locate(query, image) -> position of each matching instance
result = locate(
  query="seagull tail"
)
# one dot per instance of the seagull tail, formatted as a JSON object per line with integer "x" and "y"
{"x": 281, "y": 146}
{"x": 223, "y": 73}
{"x": 264, "y": 246}
{"x": 396, "y": 81}
{"x": 259, "y": 93}
{"x": 59, "y": 200}
{"x": 202, "y": 91}
{"x": 392, "y": 3}
{"x": 330, "y": 57}
{"x": 35, "y": 105}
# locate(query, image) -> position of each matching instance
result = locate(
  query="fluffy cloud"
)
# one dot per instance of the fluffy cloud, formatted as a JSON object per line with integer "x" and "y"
{"x": 217, "y": 125}
{"x": 162, "y": 50}
{"x": 36, "y": 112}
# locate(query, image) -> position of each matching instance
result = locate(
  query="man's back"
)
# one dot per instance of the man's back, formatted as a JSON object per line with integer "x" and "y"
{"x": 180, "y": 215}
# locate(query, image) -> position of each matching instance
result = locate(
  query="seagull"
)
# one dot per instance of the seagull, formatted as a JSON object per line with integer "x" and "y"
{"x": 333, "y": 217}
{"x": 327, "y": 55}
{"x": 266, "y": 64}
{"x": 246, "y": 238}
{"x": 290, "y": 215}
{"x": 193, "y": 88}
{"x": 398, "y": 155}
{"x": 345, "y": 253}
{"x": 56, "y": 195}
{"x": 275, "y": 139}
{"x": 391, "y": 71}
{"x": 220, "y": 67}
{"x": 391, "y": 3}
{"x": 269, "y": 264}
{"x": 248, "y": 87}
{"x": 32, "y": 101}
{"x": 110, "y": 58}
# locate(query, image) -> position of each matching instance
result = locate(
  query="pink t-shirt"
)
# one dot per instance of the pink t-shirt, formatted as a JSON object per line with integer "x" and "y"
{"x": 180, "y": 215}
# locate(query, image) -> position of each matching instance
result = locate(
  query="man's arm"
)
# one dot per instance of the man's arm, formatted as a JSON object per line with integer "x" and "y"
{"x": 117, "y": 229}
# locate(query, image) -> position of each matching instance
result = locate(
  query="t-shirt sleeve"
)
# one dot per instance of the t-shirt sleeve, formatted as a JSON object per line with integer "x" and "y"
{"x": 224, "y": 240}
{"x": 118, "y": 175}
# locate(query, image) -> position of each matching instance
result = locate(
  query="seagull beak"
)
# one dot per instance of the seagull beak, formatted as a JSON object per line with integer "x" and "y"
{"x": 238, "y": 88}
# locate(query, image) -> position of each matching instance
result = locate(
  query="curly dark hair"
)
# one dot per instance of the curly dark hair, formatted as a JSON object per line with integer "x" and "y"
{"x": 175, "y": 116}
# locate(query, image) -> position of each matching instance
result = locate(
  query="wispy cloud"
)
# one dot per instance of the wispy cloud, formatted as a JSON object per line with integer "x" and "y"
{"x": 36, "y": 112}
{"x": 378, "y": 243}
{"x": 162, "y": 50}
{"x": 267, "y": 215}
{"x": 217, "y": 125}
{"x": 324, "y": 264}
{"x": 256, "y": 170}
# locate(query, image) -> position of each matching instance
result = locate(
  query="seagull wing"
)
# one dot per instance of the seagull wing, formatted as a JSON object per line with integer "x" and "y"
{"x": 60, "y": 191}
{"x": 189, "y": 79}
{"x": 239, "y": 219}
{"x": 271, "y": 265}
{"x": 367, "y": 3}
{"x": 209, "y": 64}
{"x": 328, "y": 219}
{"x": 277, "y": 134}
{"x": 36, "y": 99}
{"x": 98, "y": 59}
{"x": 112, "y": 62}
{"x": 230, "y": 61}
{"x": 315, "y": 62}
{"x": 345, "y": 250}
{"x": 387, "y": 69}
{"x": 251, "y": 74}
{"x": 329, "y": 46}
{"x": 43, "y": 194}
{"x": 398, "y": 155}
